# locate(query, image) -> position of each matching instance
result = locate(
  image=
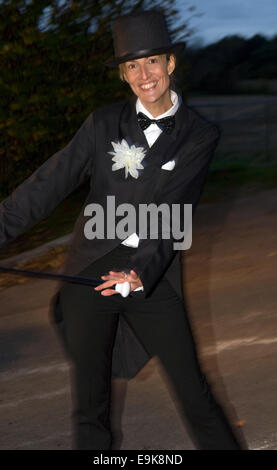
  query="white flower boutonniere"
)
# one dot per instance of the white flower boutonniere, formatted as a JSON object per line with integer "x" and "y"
{"x": 127, "y": 157}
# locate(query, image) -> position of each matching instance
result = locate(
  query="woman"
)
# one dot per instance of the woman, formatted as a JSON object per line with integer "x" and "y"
{"x": 153, "y": 150}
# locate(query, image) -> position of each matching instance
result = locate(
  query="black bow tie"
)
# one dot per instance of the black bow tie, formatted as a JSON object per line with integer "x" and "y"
{"x": 166, "y": 124}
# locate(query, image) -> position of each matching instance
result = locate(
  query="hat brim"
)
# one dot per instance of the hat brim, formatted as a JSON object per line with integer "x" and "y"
{"x": 114, "y": 61}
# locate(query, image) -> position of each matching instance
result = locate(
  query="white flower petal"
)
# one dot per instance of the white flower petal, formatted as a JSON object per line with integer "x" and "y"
{"x": 141, "y": 149}
{"x": 115, "y": 146}
{"x": 124, "y": 144}
{"x": 117, "y": 166}
{"x": 134, "y": 172}
{"x": 127, "y": 157}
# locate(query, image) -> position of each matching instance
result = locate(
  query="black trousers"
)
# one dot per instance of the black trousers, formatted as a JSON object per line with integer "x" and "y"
{"x": 160, "y": 323}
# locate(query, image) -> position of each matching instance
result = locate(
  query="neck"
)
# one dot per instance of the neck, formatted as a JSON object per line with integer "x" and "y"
{"x": 160, "y": 106}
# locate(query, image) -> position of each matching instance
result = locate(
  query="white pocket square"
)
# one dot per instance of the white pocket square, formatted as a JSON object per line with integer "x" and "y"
{"x": 169, "y": 165}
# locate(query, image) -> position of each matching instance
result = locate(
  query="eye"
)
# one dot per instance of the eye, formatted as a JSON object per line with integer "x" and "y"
{"x": 153, "y": 60}
{"x": 131, "y": 66}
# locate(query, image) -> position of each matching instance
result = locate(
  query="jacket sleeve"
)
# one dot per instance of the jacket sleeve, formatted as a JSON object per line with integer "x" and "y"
{"x": 153, "y": 256}
{"x": 38, "y": 195}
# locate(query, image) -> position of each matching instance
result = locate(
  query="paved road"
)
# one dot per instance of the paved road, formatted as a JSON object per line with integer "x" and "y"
{"x": 230, "y": 279}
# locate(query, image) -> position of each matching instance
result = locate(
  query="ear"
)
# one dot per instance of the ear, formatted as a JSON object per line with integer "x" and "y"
{"x": 171, "y": 64}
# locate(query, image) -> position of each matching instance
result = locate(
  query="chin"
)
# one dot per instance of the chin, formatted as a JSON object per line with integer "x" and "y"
{"x": 151, "y": 98}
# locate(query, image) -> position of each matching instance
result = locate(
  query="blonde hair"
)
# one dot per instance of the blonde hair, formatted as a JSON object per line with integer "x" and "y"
{"x": 122, "y": 67}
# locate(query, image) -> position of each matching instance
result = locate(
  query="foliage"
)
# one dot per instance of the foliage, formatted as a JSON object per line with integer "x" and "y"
{"x": 216, "y": 68}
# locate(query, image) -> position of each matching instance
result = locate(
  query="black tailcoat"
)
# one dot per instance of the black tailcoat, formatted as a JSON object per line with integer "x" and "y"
{"x": 191, "y": 145}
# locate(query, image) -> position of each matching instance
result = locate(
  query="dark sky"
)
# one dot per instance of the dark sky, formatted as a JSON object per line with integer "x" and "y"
{"x": 224, "y": 17}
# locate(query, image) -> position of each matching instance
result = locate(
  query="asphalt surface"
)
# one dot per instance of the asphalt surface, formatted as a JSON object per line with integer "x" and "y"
{"x": 230, "y": 285}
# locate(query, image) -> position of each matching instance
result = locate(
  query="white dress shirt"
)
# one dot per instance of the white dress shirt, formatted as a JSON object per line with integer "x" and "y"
{"x": 152, "y": 133}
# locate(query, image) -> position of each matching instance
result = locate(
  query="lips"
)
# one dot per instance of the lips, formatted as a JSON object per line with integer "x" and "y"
{"x": 148, "y": 86}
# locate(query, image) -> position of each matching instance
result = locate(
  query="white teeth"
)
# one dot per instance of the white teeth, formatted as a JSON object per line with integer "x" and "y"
{"x": 149, "y": 85}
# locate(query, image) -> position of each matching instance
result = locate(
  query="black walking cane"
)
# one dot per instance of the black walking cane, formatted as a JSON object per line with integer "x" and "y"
{"x": 122, "y": 289}
{"x": 52, "y": 277}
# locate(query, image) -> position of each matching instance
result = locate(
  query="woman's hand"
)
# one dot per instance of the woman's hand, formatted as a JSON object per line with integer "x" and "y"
{"x": 118, "y": 277}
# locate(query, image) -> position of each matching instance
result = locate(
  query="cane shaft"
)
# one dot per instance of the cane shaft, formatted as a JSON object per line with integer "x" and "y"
{"x": 52, "y": 277}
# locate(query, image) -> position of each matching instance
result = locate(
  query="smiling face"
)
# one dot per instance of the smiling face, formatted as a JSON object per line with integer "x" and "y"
{"x": 149, "y": 78}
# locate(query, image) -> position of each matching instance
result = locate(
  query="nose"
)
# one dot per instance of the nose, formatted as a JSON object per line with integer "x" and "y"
{"x": 144, "y": 72}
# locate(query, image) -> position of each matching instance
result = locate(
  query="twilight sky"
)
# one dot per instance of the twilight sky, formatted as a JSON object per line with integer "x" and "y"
{"x": 224, "y": 17}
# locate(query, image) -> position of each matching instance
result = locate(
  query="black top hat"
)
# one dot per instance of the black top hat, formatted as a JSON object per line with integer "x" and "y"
{"x": 140, "y": 34}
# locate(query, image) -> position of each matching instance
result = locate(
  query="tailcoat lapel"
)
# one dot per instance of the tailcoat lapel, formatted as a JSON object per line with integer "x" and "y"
{"x": 129, "y": 128}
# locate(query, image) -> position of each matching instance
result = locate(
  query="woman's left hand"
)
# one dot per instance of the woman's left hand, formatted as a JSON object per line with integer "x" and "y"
{"x": 118, "y": 277}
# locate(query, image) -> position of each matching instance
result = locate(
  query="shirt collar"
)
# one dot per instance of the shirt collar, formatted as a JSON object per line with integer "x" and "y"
{"x": 176, "y": 100}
